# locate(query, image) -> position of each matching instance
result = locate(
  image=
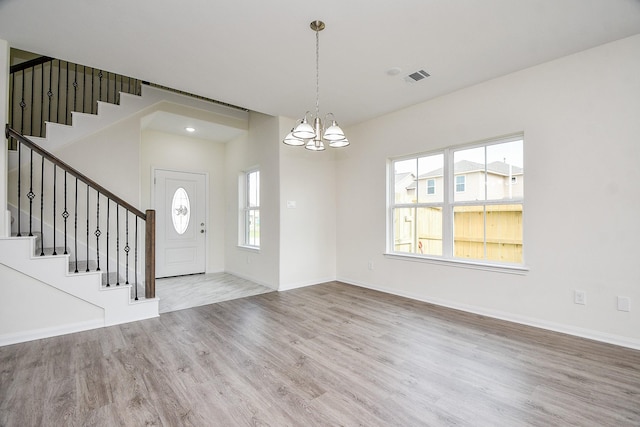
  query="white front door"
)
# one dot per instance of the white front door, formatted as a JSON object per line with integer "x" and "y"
{"x": 180, "y": 203}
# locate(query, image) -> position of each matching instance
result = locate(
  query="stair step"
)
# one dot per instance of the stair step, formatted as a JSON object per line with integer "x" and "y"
{"x": 53, "y": 251}
{"x": 82, "y": 265}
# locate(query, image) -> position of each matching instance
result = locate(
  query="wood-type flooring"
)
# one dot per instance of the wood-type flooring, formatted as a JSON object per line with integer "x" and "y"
{"x": 326, "y": 355}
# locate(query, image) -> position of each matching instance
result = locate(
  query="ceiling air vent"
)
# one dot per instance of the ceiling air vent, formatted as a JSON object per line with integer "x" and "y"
{"x": 416, "y": 76}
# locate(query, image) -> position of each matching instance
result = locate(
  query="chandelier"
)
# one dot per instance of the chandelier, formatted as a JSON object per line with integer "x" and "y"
{"x": 313, "y": 137}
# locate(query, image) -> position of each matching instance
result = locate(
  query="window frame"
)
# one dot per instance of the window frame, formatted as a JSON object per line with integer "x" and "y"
{"x": 448, "y": 206}
{"x": 247, "y": 211}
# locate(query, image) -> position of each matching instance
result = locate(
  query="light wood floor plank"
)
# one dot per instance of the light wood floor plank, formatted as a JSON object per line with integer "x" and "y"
{"x": 327, "y": 355}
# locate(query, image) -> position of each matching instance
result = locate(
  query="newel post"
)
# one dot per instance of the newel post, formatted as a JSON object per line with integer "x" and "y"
{"x": 150, "y": 255}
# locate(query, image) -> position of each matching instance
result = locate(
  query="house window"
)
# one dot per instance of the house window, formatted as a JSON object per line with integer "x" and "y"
{"x": 251, "y": 209}
{"x": 478, "y": 214}
{"x": 431, "y": 186}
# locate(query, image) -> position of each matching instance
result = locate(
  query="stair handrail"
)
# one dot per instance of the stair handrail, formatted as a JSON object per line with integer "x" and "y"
{"x": 148, "y": 217}
{"x": 11, "y": 133}
{"x": 30, "y": 63}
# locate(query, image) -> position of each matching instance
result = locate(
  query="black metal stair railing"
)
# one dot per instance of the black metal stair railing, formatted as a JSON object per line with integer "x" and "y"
{"x": 87, "y": 199}
{"x": 45, "y": 89}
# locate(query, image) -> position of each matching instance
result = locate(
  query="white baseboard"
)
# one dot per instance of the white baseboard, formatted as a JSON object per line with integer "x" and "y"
{"x": 304, "y": 284}
{"x": 510, "y": 317}
{"x": 252, "y": 279}
{"x": 36, "y": 334}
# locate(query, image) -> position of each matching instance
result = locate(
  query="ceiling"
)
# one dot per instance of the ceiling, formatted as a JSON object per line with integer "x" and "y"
{"x": 260, "y": 54}
{"x": 177, "y": 124}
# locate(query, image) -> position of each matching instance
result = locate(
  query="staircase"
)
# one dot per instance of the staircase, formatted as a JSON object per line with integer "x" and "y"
{"x": 109, "y": 237}
{"x": 18, "y": 253}
{"x": 94, "y": 259}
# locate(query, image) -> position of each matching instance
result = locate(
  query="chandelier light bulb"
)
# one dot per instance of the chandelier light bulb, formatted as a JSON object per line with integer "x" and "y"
{"x": 292, "y": 140}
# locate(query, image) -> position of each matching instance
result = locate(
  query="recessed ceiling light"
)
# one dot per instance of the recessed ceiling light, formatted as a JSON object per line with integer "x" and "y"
{"x": 190, "y": 129}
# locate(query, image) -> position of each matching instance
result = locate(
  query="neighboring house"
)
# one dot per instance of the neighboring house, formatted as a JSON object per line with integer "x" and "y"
{"x": 504, "y": 181}
{"x": 503, "y": 221}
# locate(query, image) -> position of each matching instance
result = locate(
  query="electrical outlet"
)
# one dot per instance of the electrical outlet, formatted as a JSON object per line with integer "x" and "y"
{"x": 370, "y": 265}
{"x": 579, "y": 297}
{"x": 624, "y": 304}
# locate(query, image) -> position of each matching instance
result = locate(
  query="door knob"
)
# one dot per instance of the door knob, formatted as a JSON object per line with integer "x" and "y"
{"x": 201, "y": 231}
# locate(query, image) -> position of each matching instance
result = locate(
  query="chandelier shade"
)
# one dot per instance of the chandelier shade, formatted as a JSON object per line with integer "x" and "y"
{"x": 313, "y": 137}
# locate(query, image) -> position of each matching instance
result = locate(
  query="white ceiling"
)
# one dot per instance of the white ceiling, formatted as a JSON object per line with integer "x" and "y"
{"x": 260, "y": 54}
{"x": 177, "y": 124}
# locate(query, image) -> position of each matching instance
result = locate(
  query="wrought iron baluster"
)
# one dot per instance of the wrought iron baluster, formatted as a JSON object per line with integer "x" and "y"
{"x": 65, "y": 213}
{"x": 75, "y": 227}
{"x": 33, "y": 81}
{"x": 87, "y": 270}
{"x": 41, "y": 122}
{"x": 108, "y": 86}
{"x": 100, "y": 75}
{"x": 93, "y": 102}
{"x": 75, "y": 92}
{"x": 135, "y": 265}
{"x": 108, "y": 220}
{"x": 58, "y": 92}
{"x": 42, "y": 208}
{"x": 55, "y": 168}
{"x": 49, "y": 93}
{"x": 84, "y": 87}
{"x": 12, "y": 92}
{"x": 31, "y": 194}
{"x": 66, "y": 100}
{"x": 127, "y": 248}
{"x": 117, "y": 245}
{"x": 22, "y": 106}
{"x": 19, "y": 187}
{"x": 98, "y": 232}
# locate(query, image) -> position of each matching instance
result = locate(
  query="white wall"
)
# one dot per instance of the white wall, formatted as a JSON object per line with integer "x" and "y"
{"x": 4, "y": 114}
{"x": 259, "y": 148}
{"x": 179, "y": 153}
{"x": 580, "y": 118}
{"x": 111, "y": 157}
{"x": 49, "y": 311}
{"x": 308, "y": 231}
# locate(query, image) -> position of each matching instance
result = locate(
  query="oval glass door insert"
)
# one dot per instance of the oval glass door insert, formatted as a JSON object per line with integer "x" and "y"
{"x": 180, "y": 210}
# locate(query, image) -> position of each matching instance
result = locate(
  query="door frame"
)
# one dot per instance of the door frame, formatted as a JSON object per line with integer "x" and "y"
{"x": 206, "y": 205}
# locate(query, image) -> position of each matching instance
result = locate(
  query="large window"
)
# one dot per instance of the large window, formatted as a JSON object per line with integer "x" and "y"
{"x": 251, "y": 209}
{"x": 478, "y": 214}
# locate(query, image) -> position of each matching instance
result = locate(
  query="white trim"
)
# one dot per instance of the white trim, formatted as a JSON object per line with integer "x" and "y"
{"x": 458, "y": 262}
{"x": 304, "y": 284}
{"x": 252, "y": 279}
{"x": 36, "y": 334}
{"x": 510, "y": 317}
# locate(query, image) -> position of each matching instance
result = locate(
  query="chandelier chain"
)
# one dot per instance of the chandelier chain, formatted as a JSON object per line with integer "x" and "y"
{"x": 317, "y": 73}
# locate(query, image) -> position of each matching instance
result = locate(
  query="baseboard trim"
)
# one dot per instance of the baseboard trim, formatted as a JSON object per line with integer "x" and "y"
{"x": 509, "y": 317}
{"x": 291, "y": 286}
{"x": 36, "y": 334}
{"x": 252, "y": 279}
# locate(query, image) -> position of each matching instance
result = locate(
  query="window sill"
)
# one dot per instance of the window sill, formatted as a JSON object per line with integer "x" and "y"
{"x": 475, "y": 265}
{"x": 255, "y": 249}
